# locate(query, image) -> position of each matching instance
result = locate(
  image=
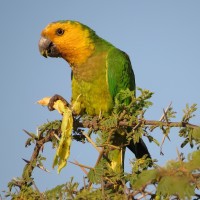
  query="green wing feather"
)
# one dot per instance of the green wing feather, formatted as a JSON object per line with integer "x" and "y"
{"x": 120, "y": 75}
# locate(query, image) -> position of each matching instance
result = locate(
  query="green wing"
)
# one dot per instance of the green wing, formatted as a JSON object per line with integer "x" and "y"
{"x": 120, "y": 74}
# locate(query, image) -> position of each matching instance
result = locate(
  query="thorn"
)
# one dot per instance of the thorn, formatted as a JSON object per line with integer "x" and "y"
{"x": 163, "y": 140}
{"x": 80, "y": 165}
{"x": 166, "y": 110}
{"x": 43, "y": 168}
{"x": 99, "y": 157}
{"x": 180, "y": 155}
{"x": 37, "y": 132}
{"x": 38, "y": 165}
{"x": 166, "y": 119}
{"x": 30, "y": 134}
{"x": 142, "y": 114}
{"x": 15, "y": 179}
{"x": 165, "y": 116}
{"x": 100, "y": 114}
{"x": 161, "y": 146}
{"x": 36, "y": 188}
{"x": 84, "y": 184}
{"x": 82, "y": 168}
{"x": 92, "y": 143}
{"x": 42, "y": 148}
{"x": 56, "y": 137}
{"x": 137, "y": 125}
{"x": 26, "y": 161}
{"x": 109, "y": 145}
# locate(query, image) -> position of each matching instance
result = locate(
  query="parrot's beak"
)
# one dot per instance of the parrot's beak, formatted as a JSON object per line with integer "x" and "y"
{"x": 48, "y": 48}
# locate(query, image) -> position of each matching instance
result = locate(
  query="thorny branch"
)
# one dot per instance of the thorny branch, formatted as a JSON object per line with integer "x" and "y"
{"x": 31, "y": 164}
{"x": 93, "y": 124}
{"x": 41, "y": 140}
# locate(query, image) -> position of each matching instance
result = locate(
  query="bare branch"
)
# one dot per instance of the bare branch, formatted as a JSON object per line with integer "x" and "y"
{"x": 80, "y": 165}
{"x": 82, "y": 168}
{"x": 91, "y": 142}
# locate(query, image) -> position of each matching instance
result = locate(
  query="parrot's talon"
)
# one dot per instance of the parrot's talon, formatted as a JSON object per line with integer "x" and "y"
{"x": 55, "y": 98}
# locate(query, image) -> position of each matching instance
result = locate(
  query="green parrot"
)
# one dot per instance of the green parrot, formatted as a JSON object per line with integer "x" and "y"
{"x": 99, "y": 72}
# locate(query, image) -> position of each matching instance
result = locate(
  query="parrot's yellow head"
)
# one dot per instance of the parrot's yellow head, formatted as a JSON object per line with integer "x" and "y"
{"x": 70, "y": 40}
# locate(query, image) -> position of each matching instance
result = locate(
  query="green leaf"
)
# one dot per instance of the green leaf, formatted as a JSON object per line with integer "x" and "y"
{"x": 196, "y": 134}
{"x": 143, "y": 179}
{"x": 189, "y": 112}
{"x": 175, "y": 185}
{"x": 193, "y": 161}
{"x": 96, "y": 175}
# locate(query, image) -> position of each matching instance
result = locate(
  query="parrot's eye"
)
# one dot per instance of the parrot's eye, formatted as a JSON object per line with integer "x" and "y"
{"x": 59, "y": 31}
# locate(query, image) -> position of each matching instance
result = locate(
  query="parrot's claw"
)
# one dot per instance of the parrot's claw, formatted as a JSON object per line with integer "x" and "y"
{"x": 55, "y": 98}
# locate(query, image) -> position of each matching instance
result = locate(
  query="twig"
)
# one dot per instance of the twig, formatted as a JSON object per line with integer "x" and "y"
{"x": 89, "y": 124}
{"x": 82, "y": 168}
{"x": 99, "y": 157}
{"x": 166, "y": 119}
{"x": 56, "y": 137}
{"x": 137, "y": 125}
{"x": 165, "y": 135}
{"x": 29, "y": 134}
{"x": 50, "y": 135}
{"x": 38, "y": 165}
{"x": 165, "y": 116}
{"x": 29, "y": 167}
{"x": 109, "y": 145}
{"x": 80, "y": 165}
{"x": 92, "y": 143}
{"x": 162, "y": 117}
{"x": 84, "y": 184}
{"x": 165, "y": 111}
{"x": 158, "y": 123}
{"x": 180, "y": 157}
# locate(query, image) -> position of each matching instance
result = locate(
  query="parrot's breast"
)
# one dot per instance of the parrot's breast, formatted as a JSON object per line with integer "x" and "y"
{"x": 90, "y": 87}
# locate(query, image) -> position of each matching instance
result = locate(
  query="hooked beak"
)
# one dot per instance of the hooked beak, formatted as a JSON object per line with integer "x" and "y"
{"x": 48, "y": 48}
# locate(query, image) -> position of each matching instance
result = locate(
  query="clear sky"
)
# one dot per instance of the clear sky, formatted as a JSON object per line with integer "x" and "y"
{"x": 162, "y": 39}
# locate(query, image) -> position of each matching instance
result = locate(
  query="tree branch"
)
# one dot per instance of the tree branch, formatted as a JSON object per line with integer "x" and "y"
{"x": 98, "y": 125}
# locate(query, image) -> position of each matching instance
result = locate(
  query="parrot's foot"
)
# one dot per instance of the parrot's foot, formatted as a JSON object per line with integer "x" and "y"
{"x": 55, "y": 98}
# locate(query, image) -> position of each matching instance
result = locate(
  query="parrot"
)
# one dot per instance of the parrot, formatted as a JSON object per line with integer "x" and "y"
{"x": 99, "y": 69}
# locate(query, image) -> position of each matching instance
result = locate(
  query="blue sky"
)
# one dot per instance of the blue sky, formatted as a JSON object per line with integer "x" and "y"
{"x": 162, "y": 39}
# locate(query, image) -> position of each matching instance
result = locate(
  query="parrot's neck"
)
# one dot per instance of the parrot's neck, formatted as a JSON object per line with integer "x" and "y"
{"x": 79, "y": 55}
{"x": 93, "y": 65}
{"x": 79, "y": 49}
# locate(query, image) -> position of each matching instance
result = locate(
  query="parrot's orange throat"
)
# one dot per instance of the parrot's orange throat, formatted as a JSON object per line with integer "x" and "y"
{"x": 75, "y": 45}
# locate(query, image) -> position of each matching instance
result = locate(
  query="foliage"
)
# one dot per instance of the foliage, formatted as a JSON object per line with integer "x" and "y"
{"x": 178, "y": 179}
